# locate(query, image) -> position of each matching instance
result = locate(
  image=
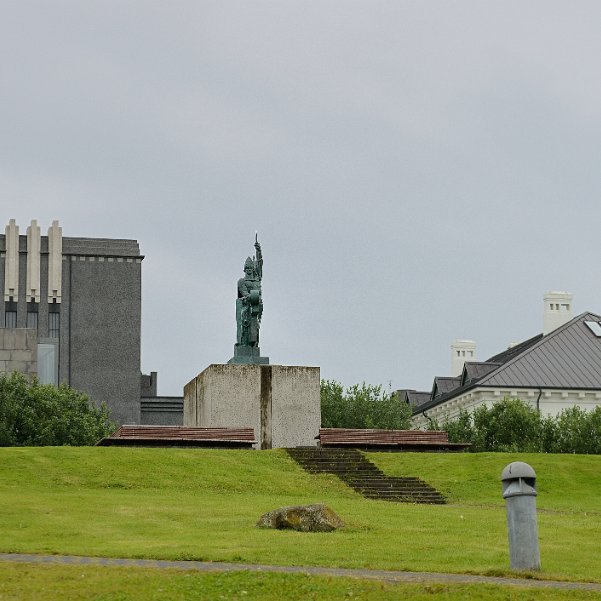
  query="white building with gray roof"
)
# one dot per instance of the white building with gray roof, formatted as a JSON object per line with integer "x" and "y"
{"x": 552, "y": 371}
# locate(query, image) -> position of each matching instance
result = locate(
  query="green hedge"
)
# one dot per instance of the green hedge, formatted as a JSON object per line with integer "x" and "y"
{"x": 512, "y": 425}
{"x": 34, "y": 414}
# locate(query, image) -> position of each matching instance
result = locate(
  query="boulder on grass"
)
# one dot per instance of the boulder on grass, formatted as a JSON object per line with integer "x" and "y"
{"x": 306, "y": 518}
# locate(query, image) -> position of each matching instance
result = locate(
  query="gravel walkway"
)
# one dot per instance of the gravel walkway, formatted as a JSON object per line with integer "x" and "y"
{"x": 381, "y": 575}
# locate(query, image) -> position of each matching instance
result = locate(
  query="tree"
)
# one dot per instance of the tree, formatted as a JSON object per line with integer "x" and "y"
{"x": 460, "y": 429}
{"x": 362, "y": 406}
{"x": 509, "y": 425}
{"x": 34, "y": 414}
{"x": 332, "y": 404}
{"x": 577, "y": 431}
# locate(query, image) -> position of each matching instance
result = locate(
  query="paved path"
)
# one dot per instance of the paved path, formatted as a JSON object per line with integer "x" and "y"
{"x": 381, "y": 575}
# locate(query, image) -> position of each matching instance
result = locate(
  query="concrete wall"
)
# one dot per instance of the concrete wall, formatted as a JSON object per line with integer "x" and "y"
{"x": 148, "y": 384}
{"x": 281, "y": 403}
{"x": 100, "y": 332}
{"x": 162, "y": 411}
{"x": 19, "y": 351}
{"x": 226, "y": 396}
{"x": 296, "y": 406}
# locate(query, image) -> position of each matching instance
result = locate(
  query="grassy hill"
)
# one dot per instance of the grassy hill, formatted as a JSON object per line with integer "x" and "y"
{"x": 569, "y": 483}
{"x": 203, "y": 504}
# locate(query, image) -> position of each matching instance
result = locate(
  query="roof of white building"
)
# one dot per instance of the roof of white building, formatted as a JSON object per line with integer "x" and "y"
{"x": 568, "y": 357}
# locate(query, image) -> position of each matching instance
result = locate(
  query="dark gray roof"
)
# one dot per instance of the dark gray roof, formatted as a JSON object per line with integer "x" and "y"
{"x": 474, "y": 370}
{"x": 443, "y": 385}
{"x": 568, "y": 357}
{"x": 418, "y": 397}
{"x": 415, "y": 398}
{"x": 512, "y": 352}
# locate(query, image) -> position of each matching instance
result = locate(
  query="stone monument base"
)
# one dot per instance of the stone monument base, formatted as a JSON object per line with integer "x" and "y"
{"x": 245, "y": 355}
{"x": 281, "y": 403}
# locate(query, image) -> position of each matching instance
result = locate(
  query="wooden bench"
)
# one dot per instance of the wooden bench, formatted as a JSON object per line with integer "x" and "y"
{"x": 178, "y": 436}
{"x": 390, "y": 440}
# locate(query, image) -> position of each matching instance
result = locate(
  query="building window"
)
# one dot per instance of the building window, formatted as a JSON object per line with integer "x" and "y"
{"x": 32, "y": 314}
{"x": 48, "y": 363}
{"x": 10, "y": 319}
{"x": 32, "y": 320}
{"x": 54, "y": 324}
{"x": 595, "y": 327}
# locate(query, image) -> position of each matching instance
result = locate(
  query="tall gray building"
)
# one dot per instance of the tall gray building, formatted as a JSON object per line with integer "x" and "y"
{"x": 71, "y": 313}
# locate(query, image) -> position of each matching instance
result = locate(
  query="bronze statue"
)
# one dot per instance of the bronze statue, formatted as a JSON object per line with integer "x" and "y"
{"x": 249, "y": 309}
{"x": 249, "y": 304}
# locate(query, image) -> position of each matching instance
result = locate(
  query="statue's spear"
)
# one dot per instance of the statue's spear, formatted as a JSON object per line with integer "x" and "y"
{"x": 258, "y": 257}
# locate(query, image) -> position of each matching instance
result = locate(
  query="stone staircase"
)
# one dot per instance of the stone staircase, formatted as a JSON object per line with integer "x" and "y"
{"x": 351, "y": 466}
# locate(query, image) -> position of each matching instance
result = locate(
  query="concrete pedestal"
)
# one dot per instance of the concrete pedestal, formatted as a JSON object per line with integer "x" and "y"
{"x": 282, "y": 403}
{"x": 244, "y": 355}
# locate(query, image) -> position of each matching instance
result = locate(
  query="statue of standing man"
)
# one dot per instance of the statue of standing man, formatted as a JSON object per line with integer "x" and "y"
{"x": 249, "y": 309}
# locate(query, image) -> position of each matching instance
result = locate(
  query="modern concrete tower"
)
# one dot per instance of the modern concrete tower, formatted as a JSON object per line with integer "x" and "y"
{"x": 71, "y": 312}
{"x": 461, "y": 351}
{"x": 557, "y": 311}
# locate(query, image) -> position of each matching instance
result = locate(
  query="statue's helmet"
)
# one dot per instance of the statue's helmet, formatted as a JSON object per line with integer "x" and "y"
{"x": 249, "y": 263}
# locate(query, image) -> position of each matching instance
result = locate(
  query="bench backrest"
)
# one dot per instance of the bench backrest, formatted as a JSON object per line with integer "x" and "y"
{"x": 382, "y": 437}
{"x": 184, "y": 433}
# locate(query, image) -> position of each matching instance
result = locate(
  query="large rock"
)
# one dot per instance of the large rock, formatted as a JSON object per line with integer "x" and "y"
{"x": 306, "y": 518}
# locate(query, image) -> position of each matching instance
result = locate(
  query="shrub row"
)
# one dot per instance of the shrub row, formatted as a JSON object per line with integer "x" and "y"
{"x": 511, "y": 425}
{"x": 34, "y": 414}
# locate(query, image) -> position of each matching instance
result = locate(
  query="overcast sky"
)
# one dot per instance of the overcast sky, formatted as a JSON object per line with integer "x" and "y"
{"x": 418, "y": 171}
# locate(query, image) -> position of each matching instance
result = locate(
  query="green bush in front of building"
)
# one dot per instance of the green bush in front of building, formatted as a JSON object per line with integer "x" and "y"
{"x": 511, "y": 425}
{"x": 34, "y": 414}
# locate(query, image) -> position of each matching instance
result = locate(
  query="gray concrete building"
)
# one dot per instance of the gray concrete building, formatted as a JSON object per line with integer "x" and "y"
{"x": 159, "y": 410}
{"x": 78, "y": 301}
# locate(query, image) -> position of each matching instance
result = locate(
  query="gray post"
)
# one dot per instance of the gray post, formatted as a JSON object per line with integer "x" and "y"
{"x": 519, "y": 492}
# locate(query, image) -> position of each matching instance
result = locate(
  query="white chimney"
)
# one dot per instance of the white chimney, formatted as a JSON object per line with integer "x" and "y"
{"x": 461, "y": 351}
{"x": 558, "y": 310}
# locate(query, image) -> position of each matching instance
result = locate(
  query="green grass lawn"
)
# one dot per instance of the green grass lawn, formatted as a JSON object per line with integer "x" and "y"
{"x": 569, "y": 483}
{"x": 203, "y": 504}
{"x": 21, "y": 582}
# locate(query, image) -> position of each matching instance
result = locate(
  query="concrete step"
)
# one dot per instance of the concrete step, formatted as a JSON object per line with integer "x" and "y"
{"x": 340, "y": 467}
{"x": 351, "y": 466}
{"x": 386, "y": 489}
{"x": 394, "y": 491}
{"x": 383, "y": 485}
